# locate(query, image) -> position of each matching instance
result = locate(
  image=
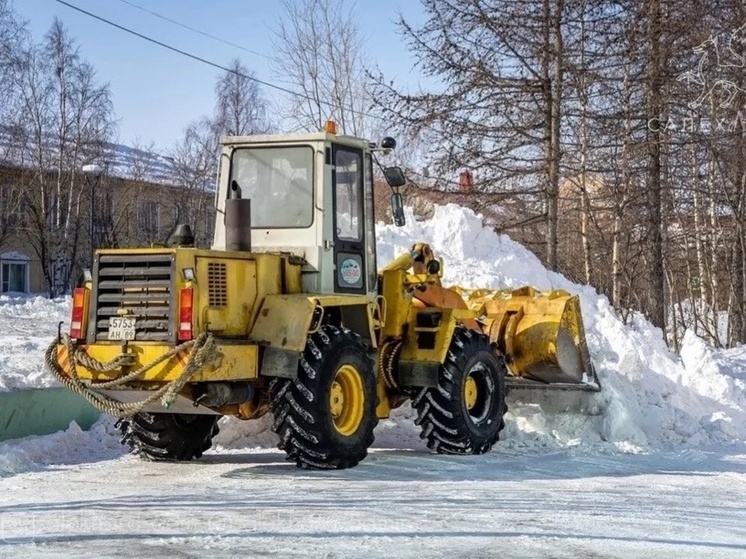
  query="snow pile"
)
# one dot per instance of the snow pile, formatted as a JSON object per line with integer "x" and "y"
{"x": 716, "y": 374}
{"x": 651, "y": 398}
{"x": 69, "y": 447}
{"x": 696, "y": 315}
{"x": 27, "y": 325}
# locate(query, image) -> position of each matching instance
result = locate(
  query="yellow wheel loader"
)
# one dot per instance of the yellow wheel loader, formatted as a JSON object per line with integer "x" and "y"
{"x": 288, "y": 314}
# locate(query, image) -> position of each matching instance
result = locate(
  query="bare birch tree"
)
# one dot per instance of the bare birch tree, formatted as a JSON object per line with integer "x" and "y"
{"x": 195, "y": 160}
{"x": 319, "y": 53}
{"x": 12, "y": 34}
{"x": 240, "y": 108}
{"x": 500, "y": 109}
{"x": 66, "y": 116}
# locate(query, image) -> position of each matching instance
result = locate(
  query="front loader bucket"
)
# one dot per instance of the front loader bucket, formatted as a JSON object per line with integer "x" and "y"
{"x": 541, "y": 335}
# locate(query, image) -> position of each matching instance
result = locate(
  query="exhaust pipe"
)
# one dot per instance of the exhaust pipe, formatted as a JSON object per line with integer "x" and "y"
{"x": 218, "y": 394}
{"x": 237, "y": 220}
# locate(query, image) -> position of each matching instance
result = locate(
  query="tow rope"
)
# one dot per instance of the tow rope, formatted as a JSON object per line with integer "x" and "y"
{"x": 203, "y": 352}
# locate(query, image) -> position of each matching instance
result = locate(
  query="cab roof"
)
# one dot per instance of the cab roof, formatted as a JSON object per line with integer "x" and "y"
{"x": 264, "y": 139}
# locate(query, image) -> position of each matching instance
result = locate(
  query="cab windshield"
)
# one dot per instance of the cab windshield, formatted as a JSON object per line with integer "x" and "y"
{"x": 279, "y": 182}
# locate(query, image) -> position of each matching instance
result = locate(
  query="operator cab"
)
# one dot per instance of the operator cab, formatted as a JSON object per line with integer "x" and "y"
{"x": 311, "y": 196}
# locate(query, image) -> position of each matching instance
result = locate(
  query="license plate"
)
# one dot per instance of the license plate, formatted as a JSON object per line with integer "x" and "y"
{"x": 121, "y": 328}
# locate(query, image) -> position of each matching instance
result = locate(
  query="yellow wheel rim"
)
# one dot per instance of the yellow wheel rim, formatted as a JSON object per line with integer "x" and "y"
{"x": 470, "y": 392}
{"x": 346, "y": 400}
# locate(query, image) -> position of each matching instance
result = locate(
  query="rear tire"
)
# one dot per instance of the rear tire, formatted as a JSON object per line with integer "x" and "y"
{"x": 464, "y": 414}
{"x": 168, "y": 436}
{"x": 326, "y": 416}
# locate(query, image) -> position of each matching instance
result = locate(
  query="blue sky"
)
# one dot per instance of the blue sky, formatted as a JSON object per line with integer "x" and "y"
{"x": 158, "y": 92}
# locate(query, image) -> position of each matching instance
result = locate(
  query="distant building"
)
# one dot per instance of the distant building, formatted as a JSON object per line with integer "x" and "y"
{"x": 137, "y": 201}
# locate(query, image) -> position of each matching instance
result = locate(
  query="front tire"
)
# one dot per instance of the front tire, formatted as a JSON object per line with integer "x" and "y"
{"x": 464, "y": 414}
{"x": 168, "y": 436}
{"x": 326, "y": 416}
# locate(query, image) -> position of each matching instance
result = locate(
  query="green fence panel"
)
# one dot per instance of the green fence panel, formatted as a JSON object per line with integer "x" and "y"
{"x": 42, "y": 411}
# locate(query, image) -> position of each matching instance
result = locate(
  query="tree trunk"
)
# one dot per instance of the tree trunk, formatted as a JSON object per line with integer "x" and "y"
{"x": 585, "y": 211}
{"x": 713, "y": 243}
{"x": 735, "y": 303}
{"x": 699, "y": 253}
{"x": 656, "y": 278}
{"x": 616, "y": 269}
{"x": 552, "y": 74}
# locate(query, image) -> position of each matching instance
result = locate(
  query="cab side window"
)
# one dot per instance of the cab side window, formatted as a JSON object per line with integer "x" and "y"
{"x": 348, "y": 195}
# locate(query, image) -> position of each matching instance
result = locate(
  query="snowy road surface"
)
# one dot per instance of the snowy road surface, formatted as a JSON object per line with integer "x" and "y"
{"x": 398, "y": 503}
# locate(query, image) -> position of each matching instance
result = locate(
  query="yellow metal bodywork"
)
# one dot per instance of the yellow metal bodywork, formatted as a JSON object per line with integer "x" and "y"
{"x": 248, "y": 279}
{"x": 239, "y": 280}
{"x": 236, "y": 362}
{"x": 226, "y": 288}
{"x": 284, "y": 321}
{"x": 246, "y": 300}
{"x": 436, "y": 351}
{"x": 397, "y": 303}
{"x": 227, "y": 285}
{"x": 383, "y": 409}
{"x": 400, "y": 291}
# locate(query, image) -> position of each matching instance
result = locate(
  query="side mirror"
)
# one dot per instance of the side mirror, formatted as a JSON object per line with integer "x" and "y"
{"x": 394, "y": 176}
{"x": 397, "y": 209}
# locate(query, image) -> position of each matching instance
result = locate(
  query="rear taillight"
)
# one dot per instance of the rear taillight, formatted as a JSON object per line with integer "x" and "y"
{"x": 185, "y": 314}
{"x": 78, "y": 319}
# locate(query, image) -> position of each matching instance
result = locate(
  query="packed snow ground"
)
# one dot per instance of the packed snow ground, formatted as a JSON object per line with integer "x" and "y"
{"x": 654, "y": 465}
{"x": 401, "y": 502}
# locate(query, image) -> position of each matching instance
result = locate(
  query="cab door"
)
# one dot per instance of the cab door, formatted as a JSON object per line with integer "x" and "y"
{"x": 349, "y": 220}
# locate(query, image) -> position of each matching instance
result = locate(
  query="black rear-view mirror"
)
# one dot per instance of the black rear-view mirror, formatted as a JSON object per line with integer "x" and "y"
{"x": 394, "y": 176}
{"x": 397, "y": 209}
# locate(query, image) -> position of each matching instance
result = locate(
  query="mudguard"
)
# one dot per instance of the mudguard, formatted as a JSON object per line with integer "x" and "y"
{"x": 285, "y": 321}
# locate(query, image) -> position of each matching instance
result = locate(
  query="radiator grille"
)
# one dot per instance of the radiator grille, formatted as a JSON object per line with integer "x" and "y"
{"x": 217, "y": 284}
{"x": 139, "y": 284}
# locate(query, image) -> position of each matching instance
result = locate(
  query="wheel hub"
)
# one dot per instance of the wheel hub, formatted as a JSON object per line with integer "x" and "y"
{"x": 346, "y": 399}
{"x": 470, "y": 392}
{"x": 478, "y": 398}
{"x": 336, "y": 400}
